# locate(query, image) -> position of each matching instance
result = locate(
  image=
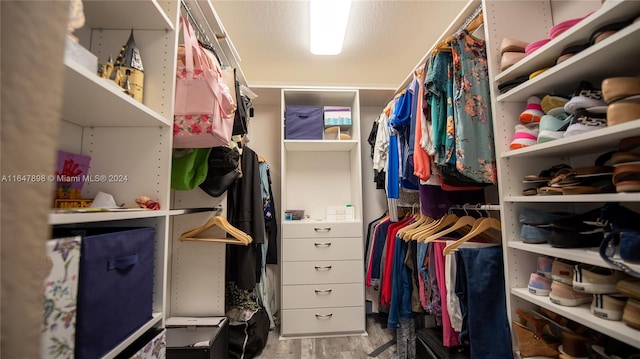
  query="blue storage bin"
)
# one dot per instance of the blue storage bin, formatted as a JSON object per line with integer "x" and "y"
{"x": 115, "y": 288}
{"x": 303, "y": 122}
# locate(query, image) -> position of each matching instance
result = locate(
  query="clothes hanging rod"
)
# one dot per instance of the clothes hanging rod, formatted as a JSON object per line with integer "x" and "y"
{"x": 472, "y": 17}
{"x": 470, "y": 9}
{"x": 196, "y": 24}
{"x": 483, "y": 207}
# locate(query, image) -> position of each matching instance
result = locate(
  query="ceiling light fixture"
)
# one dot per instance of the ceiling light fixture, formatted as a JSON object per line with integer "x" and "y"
{"x": 328, "y": 24}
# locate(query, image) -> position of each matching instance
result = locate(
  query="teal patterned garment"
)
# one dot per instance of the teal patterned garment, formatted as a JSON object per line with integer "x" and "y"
{"x": 475, "y": 149}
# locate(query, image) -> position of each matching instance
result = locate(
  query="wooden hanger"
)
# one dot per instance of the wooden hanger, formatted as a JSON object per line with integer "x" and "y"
{"x": 482, "y": 225}
{"x": 238, "y": 236}
{"x": 464, "y": 221}
{"x": 475, "y": 23}
{"x": 404, "y": 232}
{"x": 442, "y": 223}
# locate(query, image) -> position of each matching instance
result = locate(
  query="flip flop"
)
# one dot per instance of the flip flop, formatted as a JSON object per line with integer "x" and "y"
{"x": 547, "y": 174}
{"x": 549, "y": 191}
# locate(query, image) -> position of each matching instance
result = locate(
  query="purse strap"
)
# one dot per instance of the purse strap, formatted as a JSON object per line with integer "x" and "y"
{"x": 195, "y": 58}
{"x": 608, "y": 249}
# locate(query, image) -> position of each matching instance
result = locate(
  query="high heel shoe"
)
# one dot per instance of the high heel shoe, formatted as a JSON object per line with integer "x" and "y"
{"x": 534, "y": 343}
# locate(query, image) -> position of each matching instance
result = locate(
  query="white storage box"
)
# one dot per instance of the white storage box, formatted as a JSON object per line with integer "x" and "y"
{"x": 337, "y": 116}
{"x": 340, "y": 213}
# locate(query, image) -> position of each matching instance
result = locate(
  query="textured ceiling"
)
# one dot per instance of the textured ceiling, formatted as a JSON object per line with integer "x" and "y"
{"x": 385, "y": 40}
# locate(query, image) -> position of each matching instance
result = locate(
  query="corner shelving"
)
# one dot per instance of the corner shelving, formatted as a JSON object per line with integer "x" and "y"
{"x": 611, "y": 57}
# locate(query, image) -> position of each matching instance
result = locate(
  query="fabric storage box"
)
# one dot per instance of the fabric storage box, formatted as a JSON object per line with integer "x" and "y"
{"x": 151, "y": 345}
{"x": 303, "y": 122}
{"x": 60, "y": 293}
{"x": 337, "y": 116}
{"x": 197, "y": 338}
{"x": 115, "y": 289}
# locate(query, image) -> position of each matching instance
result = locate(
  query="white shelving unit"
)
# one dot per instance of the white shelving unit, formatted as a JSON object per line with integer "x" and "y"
{"x": 121, "y": 135}
{"x": 614, "y": 56}
{"x": 322, "y": 260}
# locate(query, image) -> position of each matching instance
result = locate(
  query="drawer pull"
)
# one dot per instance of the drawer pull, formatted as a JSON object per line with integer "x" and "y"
{"x": 322, "y": 229}
{"x": 325, "y": 244}
{"x": 324, "y": 316}
{"x": 323, "y": 267}
{"x": 323, "y": 291}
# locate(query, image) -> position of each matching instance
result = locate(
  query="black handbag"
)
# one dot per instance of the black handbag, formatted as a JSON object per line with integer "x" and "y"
{"x": 622, "y": 232}
{"x": 223, "y": 170}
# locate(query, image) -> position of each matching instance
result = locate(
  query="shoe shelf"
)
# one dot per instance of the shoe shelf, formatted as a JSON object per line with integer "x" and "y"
{"x": 580, "y": 255}
{"x": 593, "y": 198}
{"x": 594, "y": 63}
{"x": 582, "y": 314}
{"x": 610, "y": 12}
{"x": 599, "y": 141}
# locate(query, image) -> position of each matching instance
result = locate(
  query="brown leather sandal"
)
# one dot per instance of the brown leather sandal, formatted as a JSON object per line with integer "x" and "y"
{"x": 534, "y": 343}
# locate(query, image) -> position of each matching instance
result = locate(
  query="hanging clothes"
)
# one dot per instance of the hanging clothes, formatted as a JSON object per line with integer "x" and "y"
{"x": 245, "y": 212}
{"x": 474, "y": 143}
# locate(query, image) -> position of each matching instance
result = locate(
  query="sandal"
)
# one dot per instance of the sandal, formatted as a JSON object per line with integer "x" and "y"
{"x": 534, "y": 343}
{"x": 546, "y": 175}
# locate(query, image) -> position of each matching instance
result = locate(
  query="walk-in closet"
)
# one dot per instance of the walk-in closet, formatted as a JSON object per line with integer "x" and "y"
{"x": 213, "y": 179}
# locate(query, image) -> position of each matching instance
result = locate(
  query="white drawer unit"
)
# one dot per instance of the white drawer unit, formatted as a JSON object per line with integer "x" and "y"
{"x": 322, "y": 321}
{"x": 322, "y": 272}
{"x": 321, "y": 229}
{"x": 322, "y": 296}
{"x": 322, "y": 268}
{"x": 305, "y": 249}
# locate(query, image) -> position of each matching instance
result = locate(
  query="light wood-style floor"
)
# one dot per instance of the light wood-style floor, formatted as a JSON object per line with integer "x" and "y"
{"x": 354, "y": 347}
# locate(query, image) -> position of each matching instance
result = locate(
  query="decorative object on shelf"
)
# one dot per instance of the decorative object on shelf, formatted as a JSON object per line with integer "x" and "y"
{"x": 128, "y": 71}
{"x": 60, "y": 290}
{"x": 71, "y": 171}
{"x": 106, "y": 69}
{"x": 147, "y": 203}
{"x": 204, "y": 108}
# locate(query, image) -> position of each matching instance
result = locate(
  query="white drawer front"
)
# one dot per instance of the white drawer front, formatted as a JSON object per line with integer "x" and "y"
{"x": 322, "y": 321}
{"x": 322, "y": 296}
{"x": 322, "y": 272}
{"x": 322, "y": 229}
{"x": 304, "y": 249}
